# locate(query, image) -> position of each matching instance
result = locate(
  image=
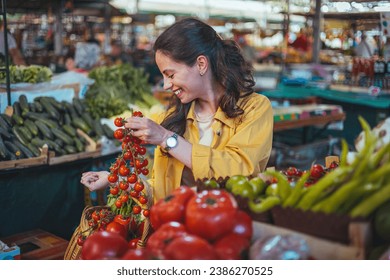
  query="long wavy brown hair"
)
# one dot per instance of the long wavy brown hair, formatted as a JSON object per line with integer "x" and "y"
{"x": 189, "y": 38}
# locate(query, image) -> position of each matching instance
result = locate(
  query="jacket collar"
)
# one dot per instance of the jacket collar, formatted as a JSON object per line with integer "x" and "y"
{"x": 219, "y": 115}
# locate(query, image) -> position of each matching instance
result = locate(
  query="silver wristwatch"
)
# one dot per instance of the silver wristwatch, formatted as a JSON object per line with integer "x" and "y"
{"x": 171, "y": 142}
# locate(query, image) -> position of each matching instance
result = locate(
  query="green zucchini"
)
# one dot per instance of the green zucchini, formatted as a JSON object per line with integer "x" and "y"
{"x": 69, "y": 129}
{"x": 70, "y": 149}
{"x": 63, "y": 136}
{"x": 7, "y": 119}
{"x": 80, "y": 123}
{"x": 4, "y": 133}
{"x": 14, "y": 149}
{"x": 38, "y": 106}
{"x": 30, "y": 125}
{"x": 3, "y": 149}
{"x": 23, "y": 104}
{"x": 36, "y": 152}
{"x": 19, "y": 135}
{"x": 49, "y": 108}
{"x": 44, "y": 129}
{"x": 25, "y": 150}
{"x": 26, "y": 132}
{"x": 79, "y": 145}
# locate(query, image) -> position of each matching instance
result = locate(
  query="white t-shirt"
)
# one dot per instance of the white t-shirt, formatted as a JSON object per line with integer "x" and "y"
{"x": 11, "y": 42}
{"x": 206, "y": 132}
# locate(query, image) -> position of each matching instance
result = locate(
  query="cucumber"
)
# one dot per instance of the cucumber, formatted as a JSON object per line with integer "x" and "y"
{"x": 3, "y": 149}
{"x": 71, "y": 110}
{"x": 63, "y": 136}
{"x": 38, "y": 106}
{"x": 108, "y": 131}
{"x": 23, "y": 104}
{"x": 88, "y": 119}
{"x": 17, "y": 109}
{"x": 70, "y": 149}
{"x": 36, "y": 152}
{"x": 38, "y": 142}
{"x": 17, "y": 119}
{"x": 54, "y": 146}
{"x": 59, "y": 142}
{"x": 69, "y": 130}
{"x": 19, "y": 135}
{"x": 79, "y": 145}
{"x": 32, "y": 107}
{"x": 14, "y": 149}
{"x": 58, "y": 105}
{"x": 26, "y": 132}
{"x": 25, "y": 150}
{"x": 4, "y": 133}
{"x": 98, "y": 128}
{"x": 30, "y": 125}
{"x": 80, "y": 123}
{"x": 67, "y": 119}
{"x": 78, "y": 106}
{"x": 36, "y": 116}
{"x": 44, "y": 130}
{"x": 7, "y": 119}
{"x": 49, "y": 108}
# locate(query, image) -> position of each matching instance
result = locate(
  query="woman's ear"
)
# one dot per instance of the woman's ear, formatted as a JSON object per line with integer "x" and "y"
{"x": 202, "y": 64}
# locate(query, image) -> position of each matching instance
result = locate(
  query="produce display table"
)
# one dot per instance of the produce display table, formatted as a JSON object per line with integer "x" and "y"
{"x": 49, "y": 197}
{"x": 372, "y": 109}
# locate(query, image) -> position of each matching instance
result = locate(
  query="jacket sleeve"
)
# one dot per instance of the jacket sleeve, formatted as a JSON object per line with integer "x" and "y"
{"x": 246, "y": 152}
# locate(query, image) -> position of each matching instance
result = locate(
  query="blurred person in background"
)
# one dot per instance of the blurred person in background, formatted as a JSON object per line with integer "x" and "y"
{"x": 365, "y": 48}
{"x": 215, "y": 126}
{"x": 13, "y": 51}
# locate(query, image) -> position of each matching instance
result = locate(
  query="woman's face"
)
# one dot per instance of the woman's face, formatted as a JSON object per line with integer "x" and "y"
{"x": 184, "y": 81}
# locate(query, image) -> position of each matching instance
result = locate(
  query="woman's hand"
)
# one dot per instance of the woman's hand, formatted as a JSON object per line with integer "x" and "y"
{"x": 147, "y": 130}
{"x": 95, "y": 180}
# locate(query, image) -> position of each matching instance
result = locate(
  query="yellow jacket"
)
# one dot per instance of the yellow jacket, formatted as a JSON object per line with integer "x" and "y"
{"x": 237, "y": 148}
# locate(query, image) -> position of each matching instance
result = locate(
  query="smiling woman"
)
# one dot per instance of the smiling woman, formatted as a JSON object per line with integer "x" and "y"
{"x": 216, "y": 126}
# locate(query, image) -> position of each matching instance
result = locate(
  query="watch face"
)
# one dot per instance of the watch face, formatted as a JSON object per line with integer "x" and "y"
{"x": 171, "y": 142}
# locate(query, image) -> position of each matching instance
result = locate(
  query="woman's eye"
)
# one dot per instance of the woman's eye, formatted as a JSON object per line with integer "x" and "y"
{"x": 170, "y": 76}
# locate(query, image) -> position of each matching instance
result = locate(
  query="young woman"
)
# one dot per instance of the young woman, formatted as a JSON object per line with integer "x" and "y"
{"x": 217, "y": 126}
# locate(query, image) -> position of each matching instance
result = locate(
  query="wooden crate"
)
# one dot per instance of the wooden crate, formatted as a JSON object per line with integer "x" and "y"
{"x": 322, "y": 249}
{"x": 93, "y": 149}
{"x": 26, "y": 162}
{"x": 38, "y": 245}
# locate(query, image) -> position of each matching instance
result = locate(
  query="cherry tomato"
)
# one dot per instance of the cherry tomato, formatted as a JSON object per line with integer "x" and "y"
{"x": 122, "y": 220}
{"x": 103, "y": 245}
{"x": 316, "y": 171}
{"x": 146, "y": 213}
{"x": 137, "y": 114}
{"x": 118, "y": 203}
{"x": 119, "y": 133}
{"x": 112, "y": 178}
{"x": 124, "y": 198}
{"x": 124, "y": 170}
{"x": 209, "y": 214}
{"x": 134, "y": 194}
{"x": 132, "y": 178}
{"x": 138, "y": 187}
{"x": 123, "y": 185}
{"x": 118, "y": 122}
{"x": 80, "y": 240}
{"x": 114, "y": 190}
{"x": 171, "y": 208}
{"x": 127, "y": 155}
{"x": 145, "y": 171}
{"x": 190, "y": 247}
{"x": 95, "y": 216}
{"x": 142, "y": 199}
{"x": 137, "y": 209}
{"x": 291, "y": 171}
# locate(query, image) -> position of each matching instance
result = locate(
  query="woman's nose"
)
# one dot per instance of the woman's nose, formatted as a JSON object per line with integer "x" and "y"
{"x": 167, "y": 84}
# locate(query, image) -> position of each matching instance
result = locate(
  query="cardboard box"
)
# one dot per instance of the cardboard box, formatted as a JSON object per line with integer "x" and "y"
{"x": 38, "y": 245}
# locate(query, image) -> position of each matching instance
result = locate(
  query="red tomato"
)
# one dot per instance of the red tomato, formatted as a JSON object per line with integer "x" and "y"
{"x": 117, "y": 228}
{"x": 243, "y": 225}
{"x": 232, "y": 247}
{"x": 133, "y": 243}
{"x": 209, "y": 214}
{"x": 119, "y": 133}
{"x": 190, "y": 247}
{"x": 118, "y": 122}
{"x": 124, "y": 170}
{"x": 103, "y": 245}
{"x": 122, "y": 220}
{"x": 159, "y": 239}
{"x": 138, "y": 254}
{"x": 171, "y": 208}
{"x": 317, "y": 171}
{"x": 112, "y": 178}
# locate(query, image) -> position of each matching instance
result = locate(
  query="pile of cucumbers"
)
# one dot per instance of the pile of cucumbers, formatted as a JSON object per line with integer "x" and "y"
{"x": 47, "y": 121}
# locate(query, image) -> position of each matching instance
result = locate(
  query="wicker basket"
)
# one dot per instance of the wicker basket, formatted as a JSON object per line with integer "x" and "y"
{"x": 73, "y": 251}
